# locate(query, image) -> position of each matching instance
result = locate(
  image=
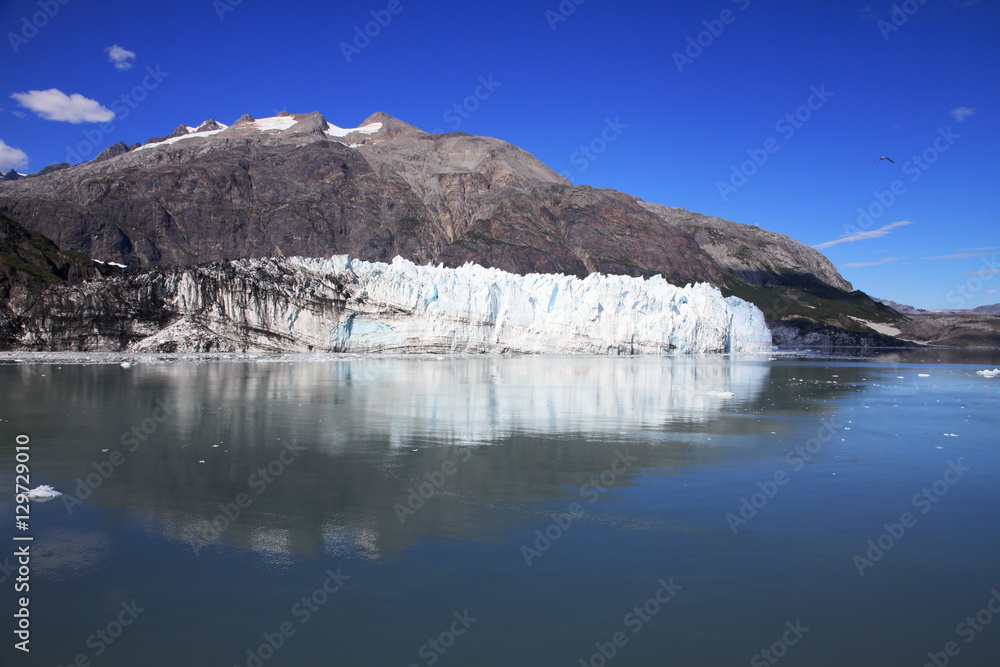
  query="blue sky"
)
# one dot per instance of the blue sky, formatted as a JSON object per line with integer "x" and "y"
{"x": 766, "y": 113}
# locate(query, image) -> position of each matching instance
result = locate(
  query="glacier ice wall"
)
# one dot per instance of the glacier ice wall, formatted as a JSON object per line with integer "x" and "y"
{"x": 339, "y": 304}
{"x": 405, "y": 307}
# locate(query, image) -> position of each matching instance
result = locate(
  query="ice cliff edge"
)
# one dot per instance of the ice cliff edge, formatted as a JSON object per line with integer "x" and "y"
{"x": 341, "y": 304}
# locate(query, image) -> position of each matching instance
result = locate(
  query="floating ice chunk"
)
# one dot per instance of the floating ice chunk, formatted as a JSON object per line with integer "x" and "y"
{"x": 923, "y": 375}
{"x": 43, "y": 493}
{"x": 989, "y": 373}
{"x": 717, "y": 394}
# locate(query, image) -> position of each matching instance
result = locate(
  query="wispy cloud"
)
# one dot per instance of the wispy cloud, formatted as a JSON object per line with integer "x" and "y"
{"x": 961, "y": 113}
{"x": 120, "y": 56}
{"x": 11, "y": 158}
{"x": 53, "y": 104}
{"x": 884, "y": 260}
{"x": 963, "y": 255}
{"x": 861, "y": 236}
{"x": 962, "y": 4}
{"x": 983, "y": 272}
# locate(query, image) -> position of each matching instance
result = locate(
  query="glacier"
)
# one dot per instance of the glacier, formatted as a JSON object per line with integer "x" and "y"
{"x": 402, "y": 307}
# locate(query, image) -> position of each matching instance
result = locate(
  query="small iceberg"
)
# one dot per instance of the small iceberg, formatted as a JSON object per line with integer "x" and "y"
{"x": 717, "y": 394}
{"x": 43, "y": 493}
{"x": 989, "y": 373}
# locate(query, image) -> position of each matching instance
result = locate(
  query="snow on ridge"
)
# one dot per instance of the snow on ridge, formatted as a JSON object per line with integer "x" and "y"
{"x": 278, "y": 123}
{"x": 274, "y": 123}
{"x": 477, "y": 308}
{"x": 174, "y": 140}
{"x": 370, "y": 128}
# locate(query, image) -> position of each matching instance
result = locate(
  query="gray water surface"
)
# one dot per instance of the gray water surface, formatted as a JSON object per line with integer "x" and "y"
{"x": 508, "y": 511}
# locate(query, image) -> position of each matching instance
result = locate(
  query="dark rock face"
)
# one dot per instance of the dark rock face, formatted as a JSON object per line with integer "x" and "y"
{"x": 30, "y": 263}
{"x": 208, "y": 126}
{"x": 802, "y": 335}
{"x": 968, "y": 329}
{"x": 11, "y": 176}
{"x": 58, "y": 166}
{"x": 111, "y": 151}
{"x": 179, "y": 131}
{"x": 754, "y": 255}
{"x": 28, "y": 259}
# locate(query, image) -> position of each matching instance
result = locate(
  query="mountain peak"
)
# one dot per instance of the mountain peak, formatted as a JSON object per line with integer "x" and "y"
{"x": 391, "y": 126}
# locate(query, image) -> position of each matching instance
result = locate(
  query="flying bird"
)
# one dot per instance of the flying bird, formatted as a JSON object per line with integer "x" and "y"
{"x": 883, "y": 158}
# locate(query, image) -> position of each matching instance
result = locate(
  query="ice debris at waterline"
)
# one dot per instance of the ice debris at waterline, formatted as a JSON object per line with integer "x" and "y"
{"x": 43, "y": 493}
{"x": 402, "y": 307}
{"x": 989, "y": 373}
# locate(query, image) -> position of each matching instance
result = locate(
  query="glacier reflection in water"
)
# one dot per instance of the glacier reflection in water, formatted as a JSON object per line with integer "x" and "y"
{"x": 363, "y": 432}
{"x": 264, "y": 475}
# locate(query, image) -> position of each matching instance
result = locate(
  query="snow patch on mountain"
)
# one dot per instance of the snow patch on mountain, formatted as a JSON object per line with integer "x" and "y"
{"x": 274, "y": 123}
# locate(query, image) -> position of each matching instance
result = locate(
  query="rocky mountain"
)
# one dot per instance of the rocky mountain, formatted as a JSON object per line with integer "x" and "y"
{"x": 297, "y": 185}
{"x": 966, "y": 329}
{"x": 29, "y": 261}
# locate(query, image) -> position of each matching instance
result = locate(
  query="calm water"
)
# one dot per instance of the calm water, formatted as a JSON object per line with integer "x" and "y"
{"x": 524, "y": 511}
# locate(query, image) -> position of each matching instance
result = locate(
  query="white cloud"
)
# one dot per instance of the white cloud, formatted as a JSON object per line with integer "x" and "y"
{"x": 962, "y": 255}
{"x": 984, "y": 272}
{"x": 961, "y": 113}
{"x": 11, "y": 158}
{"x": 861, "y": 236}
{"x": 884, "y": 260}
{"x": 53, "y": 104}
{"x": 120, "y": 56}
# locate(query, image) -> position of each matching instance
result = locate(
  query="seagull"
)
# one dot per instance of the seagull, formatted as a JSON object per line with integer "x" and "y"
{"x": 883, "y": 158}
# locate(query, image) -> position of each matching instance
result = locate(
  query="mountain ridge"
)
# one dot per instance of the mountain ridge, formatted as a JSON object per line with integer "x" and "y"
{"x": 297, "y": 185}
